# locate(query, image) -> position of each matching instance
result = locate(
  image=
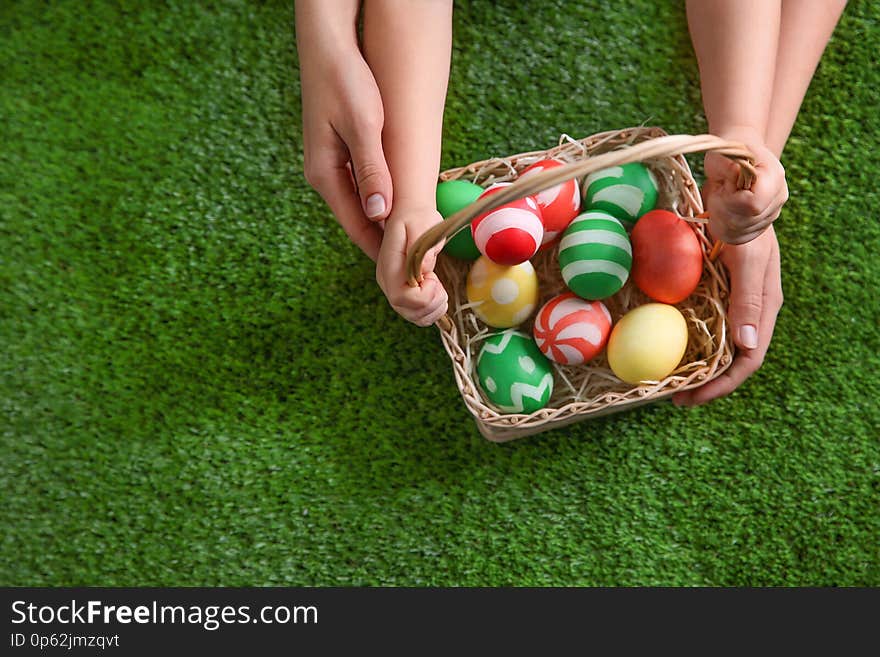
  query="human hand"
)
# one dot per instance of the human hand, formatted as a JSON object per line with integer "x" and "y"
{"x": 342, "y": 139}
{"x": 425, "y": 303}
{"x": 755, "y": 300}
{"x": 737, "y": 216}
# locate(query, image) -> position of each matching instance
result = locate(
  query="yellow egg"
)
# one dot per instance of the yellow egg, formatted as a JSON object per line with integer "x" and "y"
{"x": 647, "y": 343}
{"x": 503, "y": 296}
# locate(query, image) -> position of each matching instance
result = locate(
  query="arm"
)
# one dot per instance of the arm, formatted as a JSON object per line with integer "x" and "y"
{"x": 408, "y": 47}
{"x": 756, "y": 281}
{"x": 756, "y": 61}
{"x": 736, "y": 43}
{"x": 342, "y": 120}
{"x": 805, "y": 30}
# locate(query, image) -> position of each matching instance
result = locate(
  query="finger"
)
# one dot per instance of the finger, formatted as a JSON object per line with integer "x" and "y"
{"x": 747, "y": 295}
{"x": 740, "y": 229}
{"x": 721, "y": 170}
{"x": 436, "y": 307}
{"x": 430, "y": 292}
{"x": 434, "y": 316}
{"x": 751, "y": 217}
{"x": 414, "y": 303}
{"x": 773, "y": 288}
{"x": 334, "y": 184}
{"x": 763, "y": 195}
{"x": 744, "y": 365}
{"x": 435, "y": 289}
{"x": 747, "y": 237}
{"x": 370, "y": 172}
{"x": 424, "y": 308}
{"x": 427, "y": 294}
{"x": 746, "y": 362}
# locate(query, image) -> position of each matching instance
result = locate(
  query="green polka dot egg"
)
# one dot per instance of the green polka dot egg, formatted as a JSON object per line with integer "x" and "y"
{"x": 452, "y": 196}
{"x": 595, "y": 255}
{"x": 513, "y": 373}
{"x": 625, "y": 192}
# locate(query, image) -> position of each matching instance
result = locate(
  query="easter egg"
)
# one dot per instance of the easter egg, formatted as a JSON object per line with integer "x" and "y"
{"x": 452, "y": 196}
{"x": 559, "y": 205}
{"x": 626, "y": 192}
{"x": 667, "y": 258}
{"x": 572, "y": 331}
{"x": 647, "y": 343}
{"x": 502, "y": 296}
{"x": 595, "y": 255}
{"x": 510, "y": 234}
{"x": 513, "y": 373}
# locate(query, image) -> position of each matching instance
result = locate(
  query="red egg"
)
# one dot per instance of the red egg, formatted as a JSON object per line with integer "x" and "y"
{"x": 559, "y": 205}
{"x": 667, "y": 258}
{"x": 510, "y": 234}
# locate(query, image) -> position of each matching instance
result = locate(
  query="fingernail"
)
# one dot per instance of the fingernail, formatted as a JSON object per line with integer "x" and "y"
{"x": 375, "y": 205}
{"x": 748, "y": 336}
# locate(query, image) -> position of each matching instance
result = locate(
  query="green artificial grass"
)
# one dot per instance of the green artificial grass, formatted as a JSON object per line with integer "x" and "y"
{"x": 201, "y": 383}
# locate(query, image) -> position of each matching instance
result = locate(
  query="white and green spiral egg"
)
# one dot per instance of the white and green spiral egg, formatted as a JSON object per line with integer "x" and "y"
{"x": 625, "y": 192}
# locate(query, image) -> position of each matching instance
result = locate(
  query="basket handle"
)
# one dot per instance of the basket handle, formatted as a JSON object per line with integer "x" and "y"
{"x": 668, "y": 146}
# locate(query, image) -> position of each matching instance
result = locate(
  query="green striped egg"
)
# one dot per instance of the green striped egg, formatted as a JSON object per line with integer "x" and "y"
{"x": 595, "y": 255}
{"x": 513, "y": 373}
{"x": 626, "y": 192}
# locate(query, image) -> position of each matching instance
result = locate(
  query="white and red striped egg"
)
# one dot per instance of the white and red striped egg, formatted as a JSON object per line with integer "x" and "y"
{"x": 510, "y": 234}
{"x": 559, "y": 204}
{"x": 572, "y": 331}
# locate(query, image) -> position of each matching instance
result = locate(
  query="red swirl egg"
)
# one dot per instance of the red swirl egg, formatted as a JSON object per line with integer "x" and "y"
{"x": 572, "y": 331}
{"x": 559, "y": 204}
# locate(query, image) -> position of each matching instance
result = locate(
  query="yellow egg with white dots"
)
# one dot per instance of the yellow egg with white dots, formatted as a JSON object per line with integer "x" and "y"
{"x": 502, "y": 296}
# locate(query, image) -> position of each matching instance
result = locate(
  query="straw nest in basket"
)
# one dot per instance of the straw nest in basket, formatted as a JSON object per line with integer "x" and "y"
{"x": 592, "y": 389}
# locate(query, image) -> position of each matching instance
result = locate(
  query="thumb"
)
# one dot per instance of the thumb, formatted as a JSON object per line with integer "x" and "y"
{"x": 746, "y": 297}
{"x": 430, "y": 259}
{"x": 371, "y": 175}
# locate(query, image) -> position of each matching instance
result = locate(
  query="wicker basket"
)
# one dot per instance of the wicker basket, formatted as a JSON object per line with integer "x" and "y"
{"x": 587, "y": 391}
